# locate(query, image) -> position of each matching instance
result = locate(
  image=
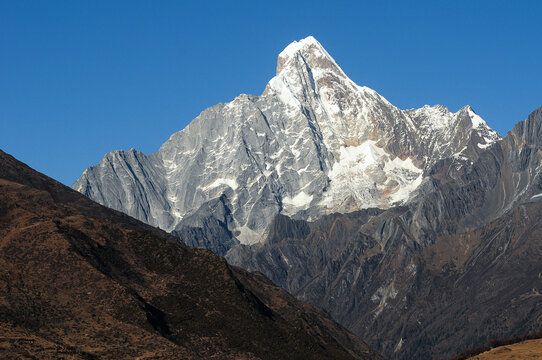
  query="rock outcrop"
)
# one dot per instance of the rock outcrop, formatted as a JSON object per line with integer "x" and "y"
{"x": 451, "y": 270}
{"x": 312, "y": 144}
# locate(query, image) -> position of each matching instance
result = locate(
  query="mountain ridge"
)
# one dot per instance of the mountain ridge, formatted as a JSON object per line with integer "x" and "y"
{"x": 452, "y": 269}
{"x": 313, "y": 143}
{"x": 376, "y": 214}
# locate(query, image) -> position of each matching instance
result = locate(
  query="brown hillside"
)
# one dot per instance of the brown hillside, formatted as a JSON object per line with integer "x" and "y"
{"x": 80, "y": 281}
{"x": 525, "y": 350}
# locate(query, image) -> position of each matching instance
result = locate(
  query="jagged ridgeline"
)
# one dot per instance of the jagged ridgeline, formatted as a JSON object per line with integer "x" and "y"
{"x": 416, "y": 229}
{"x": 313, "y": 143}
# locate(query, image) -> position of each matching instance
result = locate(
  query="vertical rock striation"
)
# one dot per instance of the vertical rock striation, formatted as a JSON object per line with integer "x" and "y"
{"x": 313, "y": 143}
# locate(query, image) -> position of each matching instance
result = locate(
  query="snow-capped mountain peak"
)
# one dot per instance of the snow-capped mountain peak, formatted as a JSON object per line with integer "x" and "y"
{"x": 313, "y": 143}
{"x": 304, "y": 69}
{"x": 310, "y": 52}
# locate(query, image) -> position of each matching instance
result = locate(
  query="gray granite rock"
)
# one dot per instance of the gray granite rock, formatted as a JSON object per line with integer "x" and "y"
{"x": 313, "y": 143}
{"x": 450, "y": 270}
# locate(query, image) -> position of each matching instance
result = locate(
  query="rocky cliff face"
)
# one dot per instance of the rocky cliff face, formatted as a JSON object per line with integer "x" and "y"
{"x": 313, "y": 143}
{"x": 413, "y": 302}
{"x": 417, "y": 229}
{"x": 454, "y": 268}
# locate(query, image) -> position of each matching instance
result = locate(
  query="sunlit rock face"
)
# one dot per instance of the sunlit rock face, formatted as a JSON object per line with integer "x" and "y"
{"x": 313, "y": 143}
{"x": 454, "y": 266}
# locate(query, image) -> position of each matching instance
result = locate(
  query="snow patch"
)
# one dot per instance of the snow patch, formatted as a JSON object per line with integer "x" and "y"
{"x": 284, "y": 91}
{"x": 296, "y": 46}
{"x": 301, "y": 200}
{"x": 371, "y": 176}
{"x": 477, "y": 121}
{"x": 435, "y": 117}
{"x": 232, "y": 183}
{"x": 486, "y": 145}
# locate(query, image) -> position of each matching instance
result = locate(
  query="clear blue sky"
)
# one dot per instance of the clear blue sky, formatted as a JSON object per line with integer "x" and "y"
{"x": 81, "y": 78}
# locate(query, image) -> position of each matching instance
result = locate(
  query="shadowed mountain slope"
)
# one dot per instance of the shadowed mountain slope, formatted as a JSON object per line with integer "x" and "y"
{"x": 78, "y": 280}
{"x": 451, "y": 270}
{"x": 437, "y": 248}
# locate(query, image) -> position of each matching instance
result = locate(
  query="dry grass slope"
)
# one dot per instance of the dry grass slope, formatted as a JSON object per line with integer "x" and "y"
{"x": 80, "y": 281}
{"x": 526, "y": 350}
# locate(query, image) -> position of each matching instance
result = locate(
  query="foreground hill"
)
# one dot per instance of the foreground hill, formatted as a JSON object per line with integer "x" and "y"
{"x": 78, "y": 280}
{"x": 525, "y": 350}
